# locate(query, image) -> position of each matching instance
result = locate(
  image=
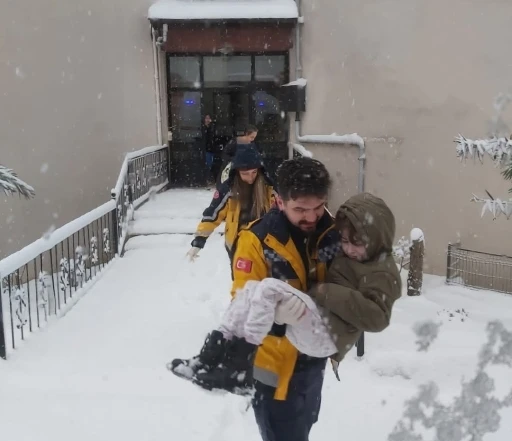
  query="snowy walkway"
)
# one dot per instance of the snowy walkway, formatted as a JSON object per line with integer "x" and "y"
{"x": 99, "y": 372}
{"x": 175, "y": 211}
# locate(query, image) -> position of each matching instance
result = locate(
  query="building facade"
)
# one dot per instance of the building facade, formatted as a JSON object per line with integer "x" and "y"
{"x": 407, "y": 77}
{"x": 77, "y": 92}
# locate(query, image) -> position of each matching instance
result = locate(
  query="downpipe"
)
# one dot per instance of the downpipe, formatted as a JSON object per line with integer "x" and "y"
{"x": 156, "y": 66}
{"x": 353, "y": 139}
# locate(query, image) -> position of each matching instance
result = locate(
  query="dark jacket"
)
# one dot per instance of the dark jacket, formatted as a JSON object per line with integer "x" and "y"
{"x": 208, "y": 133}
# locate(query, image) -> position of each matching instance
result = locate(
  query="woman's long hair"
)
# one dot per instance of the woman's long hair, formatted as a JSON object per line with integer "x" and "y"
{"x": 241, "y": 192}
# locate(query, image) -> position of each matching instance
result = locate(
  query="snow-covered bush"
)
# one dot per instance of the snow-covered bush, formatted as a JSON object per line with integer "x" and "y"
{"x": 474, "y": 412}
{"x": 402, "y": 252}
{"x": 499, "y": 149}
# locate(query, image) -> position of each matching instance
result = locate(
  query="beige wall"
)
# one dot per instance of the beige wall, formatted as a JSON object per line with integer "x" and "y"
{"x": 420, "y": 72}
{"x": 76, "y": 92}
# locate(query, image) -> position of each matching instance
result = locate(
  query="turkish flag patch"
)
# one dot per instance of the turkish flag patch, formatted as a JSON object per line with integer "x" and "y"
{"x": 243, "y": 265}
{"x": 216, "y": 194}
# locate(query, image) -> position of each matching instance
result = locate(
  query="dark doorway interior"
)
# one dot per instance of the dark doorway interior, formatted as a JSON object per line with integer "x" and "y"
{"x": 234, "y": 90}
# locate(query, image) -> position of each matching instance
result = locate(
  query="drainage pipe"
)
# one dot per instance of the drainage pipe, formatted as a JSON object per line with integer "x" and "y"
{"x": 156, "y": 65}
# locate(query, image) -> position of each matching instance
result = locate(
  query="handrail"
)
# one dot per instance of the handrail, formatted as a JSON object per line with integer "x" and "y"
{"x": 143, "y": 173}
{"x": 124, "y": 167}
{"x": 16, "y": 260}
{"x": 46, "y": 277}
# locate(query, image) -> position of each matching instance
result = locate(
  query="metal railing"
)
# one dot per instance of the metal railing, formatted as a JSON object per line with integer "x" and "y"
{"x": 46, "y": 278}
{"x": 143, "y": 173}
{"x": 475, "y": 269}
{"x": 43, "y": 279}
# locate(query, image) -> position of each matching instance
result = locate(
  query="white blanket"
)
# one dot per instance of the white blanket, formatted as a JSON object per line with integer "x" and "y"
{"x": 251, "y": 315}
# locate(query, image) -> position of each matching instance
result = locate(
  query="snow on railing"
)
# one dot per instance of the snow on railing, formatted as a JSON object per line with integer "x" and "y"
{"x": 44, "y": 279}
{"x": 143, "y": 173}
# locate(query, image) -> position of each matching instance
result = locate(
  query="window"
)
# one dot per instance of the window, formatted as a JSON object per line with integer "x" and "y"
{"x": 186, "y": 115}
{"x": 270, "y": 69}
{"x": 235, "y": 90}
{"x": 224, "y": 71}
{"x": 185, "y": 72}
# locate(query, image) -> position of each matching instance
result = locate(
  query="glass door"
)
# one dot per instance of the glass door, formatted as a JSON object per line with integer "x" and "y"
{"x": 188, "y": 161}
{"x": 272, "y": 126}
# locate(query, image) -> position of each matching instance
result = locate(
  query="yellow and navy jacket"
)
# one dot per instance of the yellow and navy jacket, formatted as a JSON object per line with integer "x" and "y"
{"x": 224, "y": 208}
{"x": 266, "y": 249}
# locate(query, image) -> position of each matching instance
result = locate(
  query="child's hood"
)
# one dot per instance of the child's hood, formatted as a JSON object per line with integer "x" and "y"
{"x": 373, "y": 221}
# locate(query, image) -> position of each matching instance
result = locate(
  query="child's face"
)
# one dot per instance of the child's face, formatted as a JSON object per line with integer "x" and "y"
{"x": 354, "y": 251}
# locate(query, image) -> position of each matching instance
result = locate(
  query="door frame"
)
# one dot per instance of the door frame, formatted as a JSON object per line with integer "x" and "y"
{"x": 249, "y": 87}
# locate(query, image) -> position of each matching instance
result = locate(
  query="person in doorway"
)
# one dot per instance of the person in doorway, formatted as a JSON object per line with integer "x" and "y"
{"x": 217, "y": 160}
{"x": 229, "y": 151}
{"x": 245, "y": 196}
{"x": 295, "y": 242}
{"x": 208, "y": 132}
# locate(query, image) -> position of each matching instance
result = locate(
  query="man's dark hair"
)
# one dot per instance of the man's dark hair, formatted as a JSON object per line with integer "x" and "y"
{"x": 302, "y": 177}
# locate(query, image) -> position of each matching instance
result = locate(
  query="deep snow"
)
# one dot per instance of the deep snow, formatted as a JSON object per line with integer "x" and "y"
{"x": 99, "y": 372}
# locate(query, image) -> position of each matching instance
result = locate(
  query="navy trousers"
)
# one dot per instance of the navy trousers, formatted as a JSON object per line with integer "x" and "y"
{"x": 292, "y": 419}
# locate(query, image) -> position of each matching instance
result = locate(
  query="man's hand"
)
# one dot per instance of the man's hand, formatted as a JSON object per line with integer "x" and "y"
{"x": 192, "y": 254}
{"x": 290, "y": 311}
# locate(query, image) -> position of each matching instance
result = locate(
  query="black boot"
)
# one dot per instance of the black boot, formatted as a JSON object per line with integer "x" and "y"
{"x": 234, "y": 374}
{"x": 211, "y": 354}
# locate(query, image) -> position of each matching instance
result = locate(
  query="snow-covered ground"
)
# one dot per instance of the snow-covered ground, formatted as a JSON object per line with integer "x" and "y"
{"x": 99, "y": 372}
{"x": 175, "y": 211}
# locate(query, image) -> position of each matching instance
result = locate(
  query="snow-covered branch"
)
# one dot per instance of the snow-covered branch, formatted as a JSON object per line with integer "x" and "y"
{"x": 499, "y": 149}
{"x": 471, "y": 415}
{"x": 11, "y": 184}
{"x": 402, "y": 252}
{"x": 495, "y": 206}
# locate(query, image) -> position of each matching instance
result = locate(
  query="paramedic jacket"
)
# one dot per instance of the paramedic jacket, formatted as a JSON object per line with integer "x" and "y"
{"x": 224, "y": 208}
{"x": 268, "y": 247}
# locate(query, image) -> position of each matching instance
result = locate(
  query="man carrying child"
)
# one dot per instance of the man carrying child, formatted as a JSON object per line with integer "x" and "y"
{"x": 345, "y": 265}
